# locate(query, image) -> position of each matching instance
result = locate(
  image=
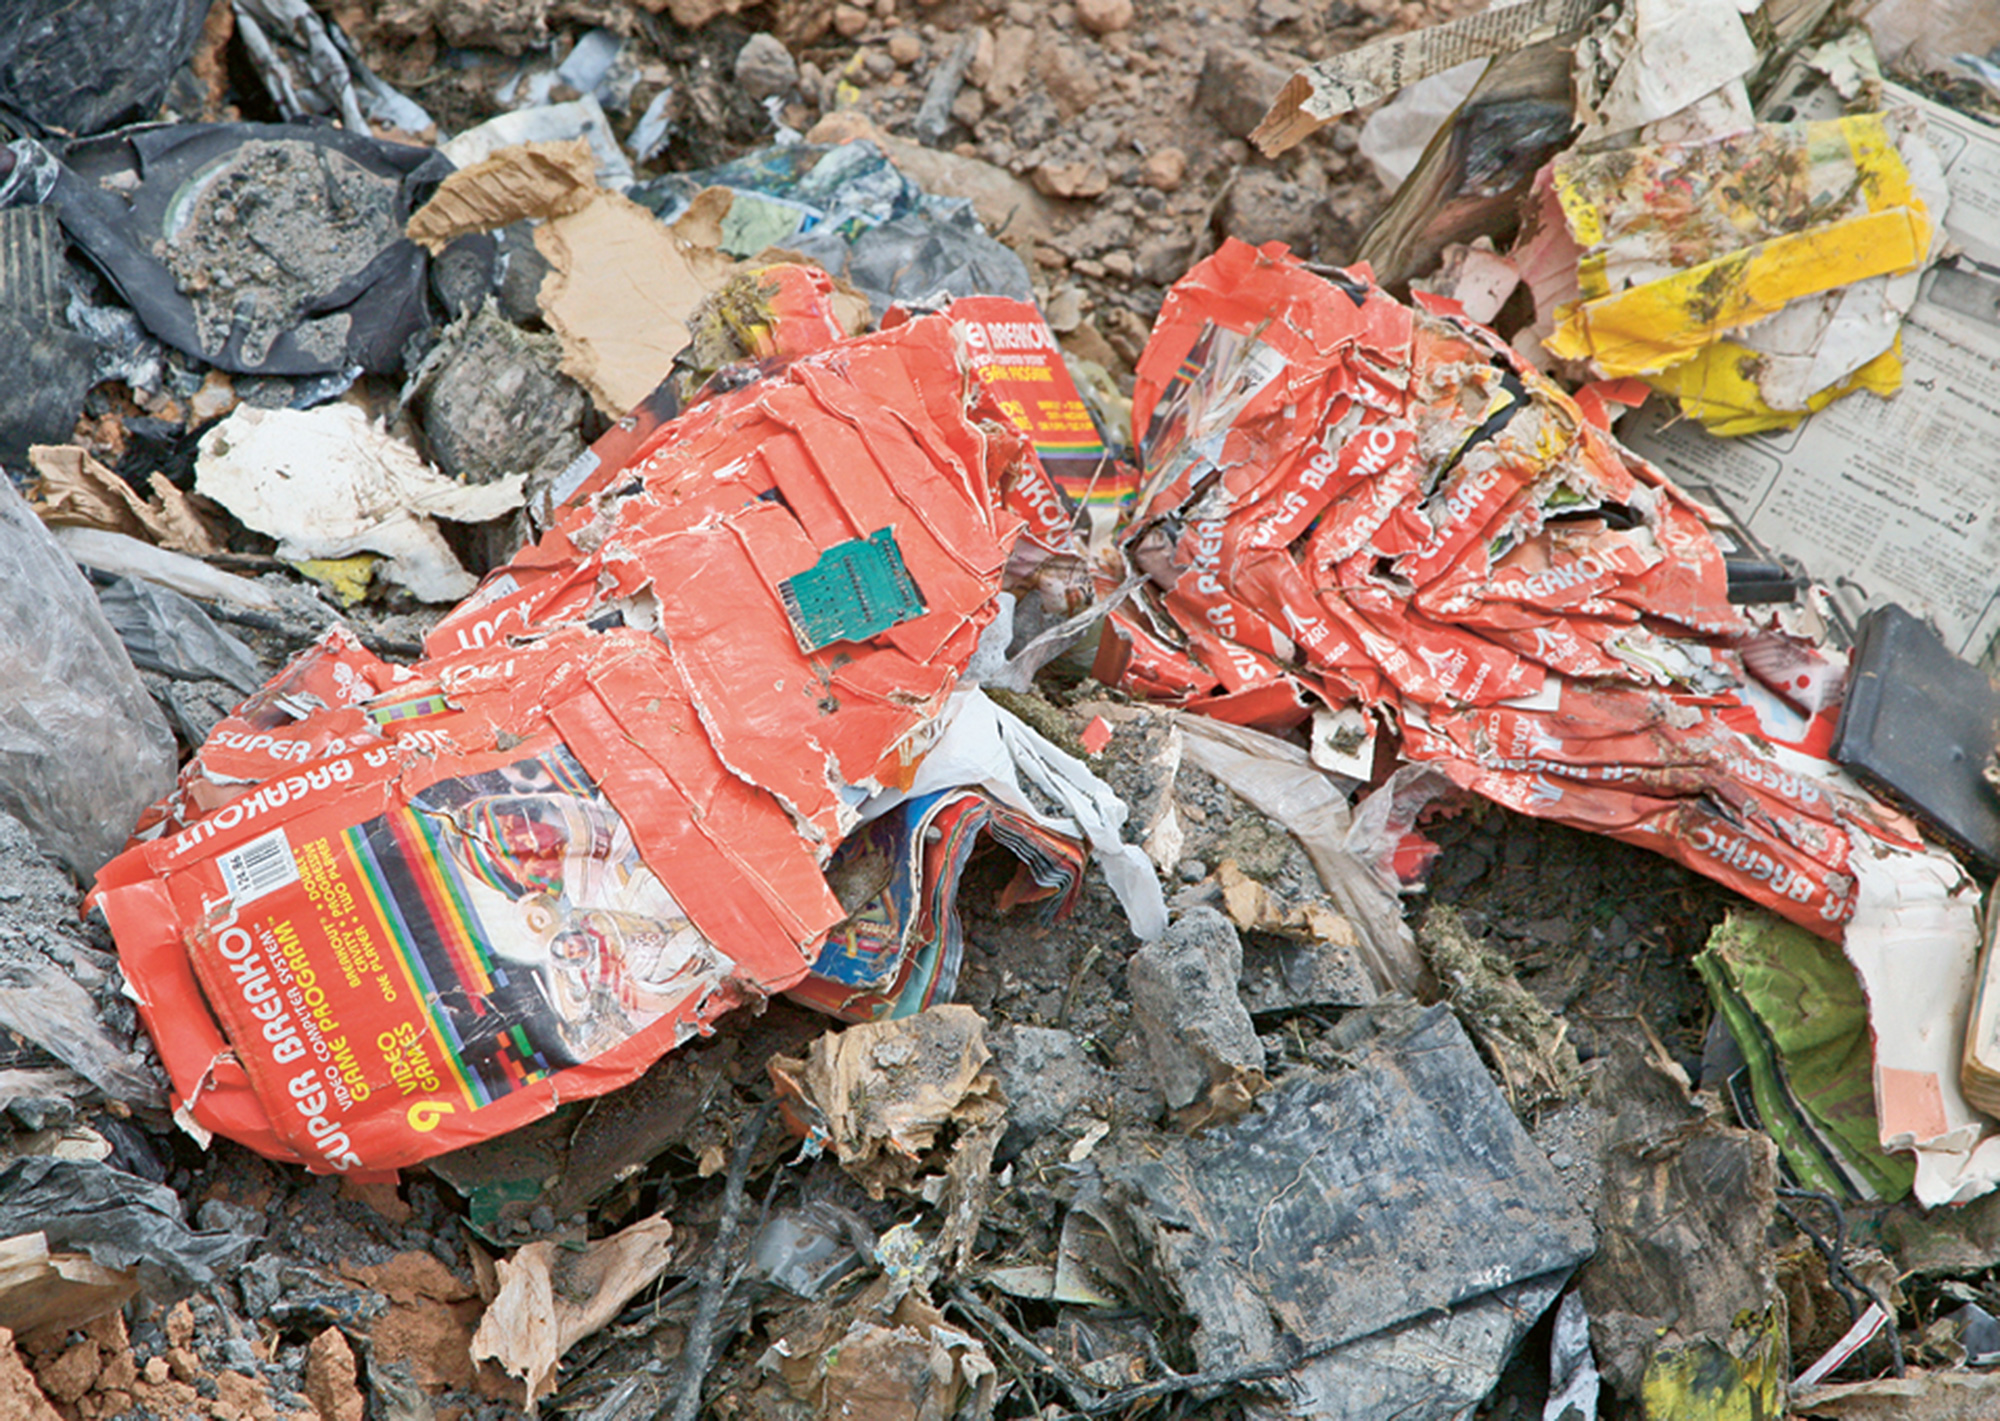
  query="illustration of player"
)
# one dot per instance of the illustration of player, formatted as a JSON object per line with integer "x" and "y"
{"x": 545, "y": 938}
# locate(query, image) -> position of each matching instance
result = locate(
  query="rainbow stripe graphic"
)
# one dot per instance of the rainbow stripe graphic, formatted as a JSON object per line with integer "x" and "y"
{"x": 523, "y": 1064}
{"x": 420, "y": 708}
{"x": 423, "y": 987}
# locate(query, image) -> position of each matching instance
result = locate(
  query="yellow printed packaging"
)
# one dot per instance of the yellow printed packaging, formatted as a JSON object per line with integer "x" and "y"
{"x": 1685, "y": 244}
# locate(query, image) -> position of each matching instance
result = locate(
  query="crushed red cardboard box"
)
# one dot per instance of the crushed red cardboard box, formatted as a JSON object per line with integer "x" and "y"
{"x": 1348, "y": 500}
{"x": 393, "y": 911}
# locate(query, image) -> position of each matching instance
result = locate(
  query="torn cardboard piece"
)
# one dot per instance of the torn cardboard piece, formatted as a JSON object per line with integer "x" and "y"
{"x": 622, "y": 286}
{"x": 328, "y": 482}
{"x": 527, "y": 181}
{"x": 620, "y": 332}
{"x": 553, "y": 1295}
{"x": 74, "y": 490}
{"x": 41, "y": 1288}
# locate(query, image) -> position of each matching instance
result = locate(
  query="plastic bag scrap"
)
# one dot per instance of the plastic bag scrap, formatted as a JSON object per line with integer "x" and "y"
{"x": 156, "y": 210}
{"x": 424, "y": 906}
{"x": 1755, "y": 299}
{"x": 83, "y": 749}
{"x": 122, "y": 1221}
{"x": 82, "y": 68}
{"x": 165, "y": 632}
{"x": 311, "y": 70}
{"x": 1348, "y": 500}
{"x": 849, "y": 209}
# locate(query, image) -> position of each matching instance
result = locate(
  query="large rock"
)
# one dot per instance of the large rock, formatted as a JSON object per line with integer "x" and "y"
{"x": 1197, "y": 1032}
{"x": 1237, "y": 87}
{"x": 1262, "y": 207}
{"x": 765, "y": 68}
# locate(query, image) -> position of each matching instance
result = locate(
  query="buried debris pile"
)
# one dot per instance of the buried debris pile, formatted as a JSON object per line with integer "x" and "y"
{"x": 970, "y": 617}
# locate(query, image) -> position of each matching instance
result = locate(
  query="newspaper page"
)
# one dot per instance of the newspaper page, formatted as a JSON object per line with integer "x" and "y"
{"x": 1894, "y": 500}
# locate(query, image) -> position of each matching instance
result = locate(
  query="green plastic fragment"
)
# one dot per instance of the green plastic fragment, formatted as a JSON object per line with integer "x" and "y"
{"x": 857, "y": 590}
{"x": 1796, "y": 1010}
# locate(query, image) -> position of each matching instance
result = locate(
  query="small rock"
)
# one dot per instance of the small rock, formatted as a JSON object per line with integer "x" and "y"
{"x": 1263, "y": 207}
{"x": 1162, "y": 260}
{"x": 765, "y": 68}
{"x": 223, "y": 1216}
{"x": 330, "y": 1378}
{"x": 20, "y": 1396}
{"x": 1237, "y": 87}
{"x": 1120, "y": 265}
{"x": 1164, "y": 169}
{"x": 1013, "y": 48}
{"x": 849, "y": 20}
{"x": 1064, "y": 313}
{"x": 1128, "y": 331}
{"x": 73, "y": 1373}
{"x": 905, "y": 48}
{"x": 969, "y": 107}
{"x": 1103, "y": 17}
{"x": 878, "y": 64}
{"x": 1071, "y": 179}
{"x": 1197, "y": 1032}
{"x": 981, "y": 68}
{"x": 1070, "y": 79}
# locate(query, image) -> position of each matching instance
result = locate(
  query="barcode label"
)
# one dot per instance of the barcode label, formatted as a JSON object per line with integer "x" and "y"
{"x": 259, "y": 867}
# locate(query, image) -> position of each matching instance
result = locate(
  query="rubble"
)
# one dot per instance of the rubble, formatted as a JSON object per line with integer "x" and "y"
{"x": 1199, "y": 1037}
{"x": 910, "y": 709}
